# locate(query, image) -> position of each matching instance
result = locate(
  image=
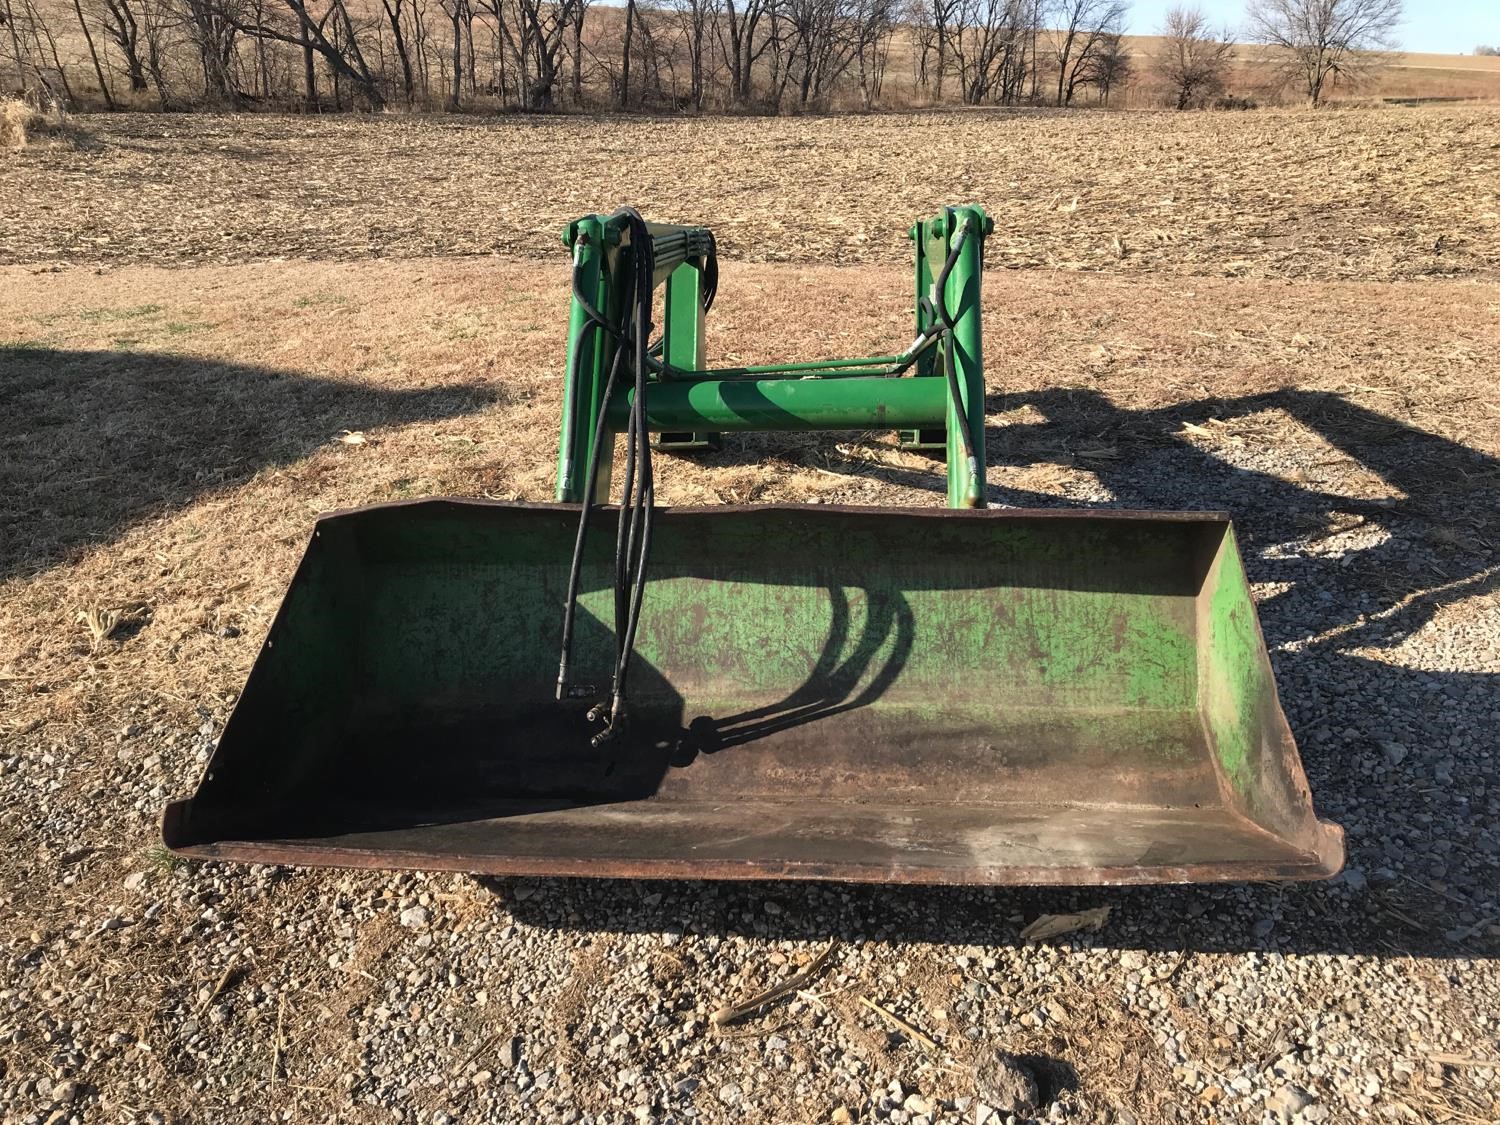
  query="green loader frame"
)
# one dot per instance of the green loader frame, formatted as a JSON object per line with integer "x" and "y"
{"x": 691, "y": 404}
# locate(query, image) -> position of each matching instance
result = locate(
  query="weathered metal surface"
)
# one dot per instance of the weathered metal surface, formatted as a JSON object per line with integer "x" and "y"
{"x": 896, "y": 695}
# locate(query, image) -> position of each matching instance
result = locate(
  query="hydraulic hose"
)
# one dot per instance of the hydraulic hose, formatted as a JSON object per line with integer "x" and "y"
{"x": 637, "y": 501}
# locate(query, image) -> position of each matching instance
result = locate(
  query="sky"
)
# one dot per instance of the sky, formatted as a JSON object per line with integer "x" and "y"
{"x": 1448, "y": 27}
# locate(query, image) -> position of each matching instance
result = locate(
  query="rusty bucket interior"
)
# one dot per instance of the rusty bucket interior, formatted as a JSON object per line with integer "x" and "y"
{"x": 865, "y": 694}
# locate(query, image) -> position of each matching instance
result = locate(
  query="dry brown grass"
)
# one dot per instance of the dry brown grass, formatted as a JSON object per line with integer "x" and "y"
{"x": 1361, "y": 194}
{"x": 17, "y": 119}
{"x": 22, "y": 124}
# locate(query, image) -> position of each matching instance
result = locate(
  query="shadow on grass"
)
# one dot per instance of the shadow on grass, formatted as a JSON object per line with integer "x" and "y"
{"x": 92, "y": 442}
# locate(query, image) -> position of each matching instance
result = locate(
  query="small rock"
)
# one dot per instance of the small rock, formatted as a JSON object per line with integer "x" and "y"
{"x": 1354, "y": 879}
{"x": 65, "y": 1092}
{"x": 415, "y": 917}
{"x": 1263, "y": 928}
{"x": 1004, "y": 1084}
{"x": 729, "y": 1093}
{"x": 135, "y": 880}
{"x": 1393, "y": 752}
{"x": 1213, "y": 1095}
{"x": 841, "y": 1116}
{"x": 1288, "y": 1101}
{"x": 510, "y": 1053}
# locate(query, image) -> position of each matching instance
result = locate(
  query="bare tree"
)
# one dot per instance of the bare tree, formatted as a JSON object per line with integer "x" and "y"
{"x": 1109, "y": 66}
{"x": 740, "y": 44}
{"x": 458, "y": 14}
{"x": 694, "y": 18}
{"x": 88, "y": 37}
{"x": 1193, "y": 59}
{"x": 1326, "y": 41}
{"x": 580, "y": 10}
{"x": 332, "y": 36}
{"x": 1080, "y": 26}
{"x": 393, "y": 14}
{"x": 989, "y": 42}
{"x": 34, "y": 49}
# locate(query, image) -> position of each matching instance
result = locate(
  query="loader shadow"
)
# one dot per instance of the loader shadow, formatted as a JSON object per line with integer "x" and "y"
{"x": 94, "y": 441}
{"x": 1394, "y": 751}
{"x": 830, "y": 688}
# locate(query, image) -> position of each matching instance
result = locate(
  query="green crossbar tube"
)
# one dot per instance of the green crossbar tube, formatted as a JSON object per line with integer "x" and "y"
{"x": 735, "y": 405}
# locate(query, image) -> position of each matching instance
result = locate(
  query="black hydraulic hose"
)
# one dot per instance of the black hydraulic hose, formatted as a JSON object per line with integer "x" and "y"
{"x": 710, "y": 273}
{"x": 637, "y": 501}
{"x": 570, "y": 602}
{"x": 631, "y": 579}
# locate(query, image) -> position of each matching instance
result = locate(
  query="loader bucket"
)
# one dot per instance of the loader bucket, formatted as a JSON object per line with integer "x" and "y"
{"x": 881, "y": 695}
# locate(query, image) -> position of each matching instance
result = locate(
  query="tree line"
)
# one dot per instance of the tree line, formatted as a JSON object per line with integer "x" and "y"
{"x": 692, "y": 55}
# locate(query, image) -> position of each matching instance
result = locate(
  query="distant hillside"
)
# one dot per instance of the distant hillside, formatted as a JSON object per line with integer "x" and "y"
{"x": 1412, "y": 75}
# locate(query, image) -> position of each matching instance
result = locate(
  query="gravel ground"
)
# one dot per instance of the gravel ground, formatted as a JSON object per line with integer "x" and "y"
{"x": 137, "y": 988}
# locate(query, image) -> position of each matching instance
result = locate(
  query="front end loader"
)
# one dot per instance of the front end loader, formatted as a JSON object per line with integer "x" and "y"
{"x": 961, "y": 695}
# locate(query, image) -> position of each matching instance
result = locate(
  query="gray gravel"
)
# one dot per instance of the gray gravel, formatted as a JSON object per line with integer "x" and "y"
{"x": 216, "y": 993}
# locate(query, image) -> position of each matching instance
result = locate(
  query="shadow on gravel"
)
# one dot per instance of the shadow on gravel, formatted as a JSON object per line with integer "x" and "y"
{"x": 92, "y": 442}
{"x": 1399, "y": 750}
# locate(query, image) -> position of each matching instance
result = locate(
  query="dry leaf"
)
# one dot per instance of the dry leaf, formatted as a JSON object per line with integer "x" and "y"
{"x": 1053, "y": 925}
{"x": 1195, "y": 430}
{"x": 352, "y": 437}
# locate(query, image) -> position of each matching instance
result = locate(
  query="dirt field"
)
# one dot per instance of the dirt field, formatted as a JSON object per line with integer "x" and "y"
{"x": 1353, "y": 194}
{"x": 190, "y": 326}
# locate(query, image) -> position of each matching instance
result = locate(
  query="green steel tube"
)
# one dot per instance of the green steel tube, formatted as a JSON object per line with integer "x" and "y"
{"x": 807, "y": 365}
{"x": 810, "y": 373}
{"x": 683, "y": 332}
{"x": 811, "y": 366}
{"x": 884, "y": 365}
{"x": 588, "y": 356}
{"x": 789, "y": 404}
{"x": 966, "y": 482}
